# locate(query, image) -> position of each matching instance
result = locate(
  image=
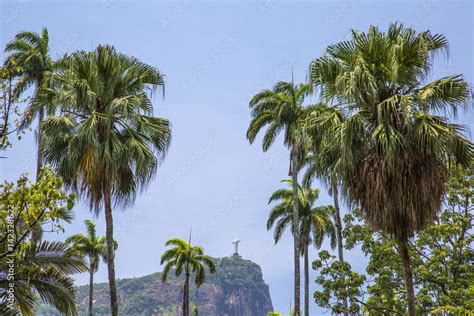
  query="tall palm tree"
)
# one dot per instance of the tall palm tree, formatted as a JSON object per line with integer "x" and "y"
{"x": 30, "y": 51}
{"x": 94, "y": 248}
{"x": 394, "y": 142}
{"x": 105, "y": 144}
{"x": 323, "y": 161}
{"x": 187, "y": 258}
{"x": 43, "y": 273}
{"x": 315, "y": 224}
{"x": 282, "y": 109}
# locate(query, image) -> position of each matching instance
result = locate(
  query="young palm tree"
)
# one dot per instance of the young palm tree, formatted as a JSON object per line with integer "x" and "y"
{"x": 94, "y": 248}
{"x": 393, "y": 144}
{"x": 30, "y": 51}
{"x": 42, "y": 274}
{"x": 281, "y": 109}
{"x": 105, "y": 144}
{"x": 187, "y": 258}
{"x": 315, "y": 224}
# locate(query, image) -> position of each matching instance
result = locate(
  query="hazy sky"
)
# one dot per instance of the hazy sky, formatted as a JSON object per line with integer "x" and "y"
{"x": 216, "y": 56}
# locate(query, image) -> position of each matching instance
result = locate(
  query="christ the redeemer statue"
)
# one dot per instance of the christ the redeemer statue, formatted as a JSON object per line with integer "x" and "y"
{"x": 236, "y": 247}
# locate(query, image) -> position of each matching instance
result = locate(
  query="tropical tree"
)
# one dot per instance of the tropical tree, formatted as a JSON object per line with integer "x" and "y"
{"x": 190, "y": 259}
{"x": 94, "y": 248}
{"x": 315, "y": 223}
{"x": 393, "y": 145}
{"x": 443, "y": 264}
{"x": 34, "y": 273}
{"x": 105, "y": 143}
{"x": 282, "y": 109}
{"x": 30, "y": 51}
{"x": 339, "y": 283}
{"x": 43, "y": 273}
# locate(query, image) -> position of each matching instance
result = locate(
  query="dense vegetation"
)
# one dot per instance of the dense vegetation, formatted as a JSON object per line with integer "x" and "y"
{"x": 381, "y": 138}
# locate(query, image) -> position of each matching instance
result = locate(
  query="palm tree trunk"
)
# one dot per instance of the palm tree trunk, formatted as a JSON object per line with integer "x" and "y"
{"x": 39, "y": 158}
{"x": 335, "y": 194}
{"x": 306, "y": 278}
{"x": 37, "y": 232}
{"x": 186, "y": 296}
{"x": 403, "y": 248}
{"x": 297, "y": 280}
{"x": 109, "y": 232}
{"x": 91, "y": 285}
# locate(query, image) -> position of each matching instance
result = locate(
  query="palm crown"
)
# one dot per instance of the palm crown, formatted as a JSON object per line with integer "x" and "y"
{"x": 90, "y": 245}
{"x": 281, "y": 109}
{"x": 187, "y": 258}
{"x": 315, "y": 221}
{"x": 30, "y": 50}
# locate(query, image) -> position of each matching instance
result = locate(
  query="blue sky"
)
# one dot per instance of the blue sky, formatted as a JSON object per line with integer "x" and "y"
{"x": 216, "y": 56}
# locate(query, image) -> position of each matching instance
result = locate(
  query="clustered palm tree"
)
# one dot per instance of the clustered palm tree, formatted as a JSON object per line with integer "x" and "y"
{"x": 184, "y": 257}
{"x": 100, "y": 135}
{"x": 93, "y": 247}
{"x": 383, "y": 138}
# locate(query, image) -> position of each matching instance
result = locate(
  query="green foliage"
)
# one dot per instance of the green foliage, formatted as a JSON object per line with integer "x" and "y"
{"x": 443, "y": 265}
{"x": 280, "y": 110}
{"x": 37, "y": 272}
{"x": 26, "y": 205}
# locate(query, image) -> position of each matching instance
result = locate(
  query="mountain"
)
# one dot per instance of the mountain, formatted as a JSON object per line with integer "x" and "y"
{"x": 236, "y": 289}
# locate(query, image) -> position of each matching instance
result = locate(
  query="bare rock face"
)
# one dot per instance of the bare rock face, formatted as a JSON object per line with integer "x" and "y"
{"x": 237, "y": 289}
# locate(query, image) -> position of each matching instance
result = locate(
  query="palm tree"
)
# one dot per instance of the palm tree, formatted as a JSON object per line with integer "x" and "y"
{"x": 393, "y": 143}
{"x": 94, "y": 248}
{"x": 323, "y": 161}
{"x": 189, "y": 258}
{"x": 42, "y": 274}
{"x": 315, "y": 223}
{"x": 105, "y": 144}
{"x": 282, "y": 110}
{"x": 30, "y": 51}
